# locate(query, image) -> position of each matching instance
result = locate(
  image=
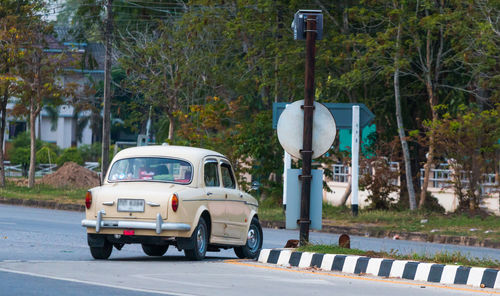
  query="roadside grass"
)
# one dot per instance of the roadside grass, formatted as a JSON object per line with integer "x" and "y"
{"x": 43, "y": 192}
{"x": 455, "y": 258}
{"x": 432, "y": 223}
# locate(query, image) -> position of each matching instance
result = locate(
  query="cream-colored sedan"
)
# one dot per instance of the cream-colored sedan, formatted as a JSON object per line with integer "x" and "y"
{"x": 160, "y": 196}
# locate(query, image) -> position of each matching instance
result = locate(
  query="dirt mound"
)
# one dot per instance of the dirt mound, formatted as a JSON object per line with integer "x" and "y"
{"x": 71, "y": 175}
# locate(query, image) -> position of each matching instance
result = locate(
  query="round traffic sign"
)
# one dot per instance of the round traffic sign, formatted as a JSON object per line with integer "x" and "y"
{"x": 291, "y": 126}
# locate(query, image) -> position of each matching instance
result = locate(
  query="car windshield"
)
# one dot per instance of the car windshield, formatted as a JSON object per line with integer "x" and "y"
{"x": 151, "y": 169}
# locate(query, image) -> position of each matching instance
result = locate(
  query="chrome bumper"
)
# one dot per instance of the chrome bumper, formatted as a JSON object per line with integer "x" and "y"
{"x": 159, "y": 226}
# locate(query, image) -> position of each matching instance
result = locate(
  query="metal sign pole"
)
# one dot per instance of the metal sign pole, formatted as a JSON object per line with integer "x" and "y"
{"x": 355, "y": 159}
{"x": 308, "y": 107}
{"x": 287, "y": 164}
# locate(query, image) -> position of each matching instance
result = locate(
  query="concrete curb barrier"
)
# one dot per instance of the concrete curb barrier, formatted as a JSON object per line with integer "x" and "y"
{"x": 411, "y": 236}
{"x": 410, "y": 270}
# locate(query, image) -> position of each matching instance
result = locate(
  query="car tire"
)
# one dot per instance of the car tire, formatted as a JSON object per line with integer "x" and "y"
{"x": 199, "y": 239}
{"x": 251, "y": 249}
{"x": 102, "y": 253}
{"x": 154, "y": 250}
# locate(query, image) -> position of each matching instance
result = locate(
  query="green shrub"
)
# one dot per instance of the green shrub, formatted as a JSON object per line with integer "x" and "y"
{"x": 70, "y": 154}
{"x": 90, "y": 152}
{"x": 46, "y": 155}
{"x": 23, "y": 141}
{"x": 21, "y": 155}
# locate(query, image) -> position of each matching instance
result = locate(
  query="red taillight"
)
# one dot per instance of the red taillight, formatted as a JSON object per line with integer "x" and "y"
{"x": 88, "y": 199}
{"x": 128, "y": 232}
{"x": 175, "y": 202}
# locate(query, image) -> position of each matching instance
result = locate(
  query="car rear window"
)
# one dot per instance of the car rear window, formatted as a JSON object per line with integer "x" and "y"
{"x": 151, "y": 169}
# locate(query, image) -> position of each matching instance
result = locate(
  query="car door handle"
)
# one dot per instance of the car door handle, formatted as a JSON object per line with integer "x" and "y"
{"x": 209, "y": 193}
{"x": 241, "y": 194}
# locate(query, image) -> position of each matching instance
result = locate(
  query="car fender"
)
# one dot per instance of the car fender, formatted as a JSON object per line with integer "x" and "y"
{"x": 197, "y": 216}
{"x": 253, "y": 213}
{"x": 186, "y": 243}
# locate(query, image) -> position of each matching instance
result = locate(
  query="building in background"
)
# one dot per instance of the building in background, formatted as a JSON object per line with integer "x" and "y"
{"x": 62, "y": 125}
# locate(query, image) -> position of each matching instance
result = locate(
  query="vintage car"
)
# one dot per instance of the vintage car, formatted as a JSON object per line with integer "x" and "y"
{"x": 159, "y": 196}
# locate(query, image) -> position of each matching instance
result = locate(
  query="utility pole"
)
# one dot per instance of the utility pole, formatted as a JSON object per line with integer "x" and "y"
{"x": 308, "y": 107}
{"x": 106, "y": 122}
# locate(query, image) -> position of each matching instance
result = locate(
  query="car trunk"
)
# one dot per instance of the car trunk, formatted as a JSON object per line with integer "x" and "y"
{"x": 137, "y": 200}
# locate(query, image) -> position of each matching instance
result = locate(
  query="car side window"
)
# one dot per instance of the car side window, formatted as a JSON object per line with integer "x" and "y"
{"x": 211, "y": 174}
{"x": 227, "y": 176}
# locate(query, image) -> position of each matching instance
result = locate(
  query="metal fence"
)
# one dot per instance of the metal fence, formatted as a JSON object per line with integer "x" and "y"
{"x": 341, "y": 172}
{"x": 41, "y": 169}
{"x": 443, "y": 178}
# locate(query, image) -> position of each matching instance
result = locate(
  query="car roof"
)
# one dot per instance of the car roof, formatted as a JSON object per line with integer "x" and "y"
{"x": 191, "y": 154}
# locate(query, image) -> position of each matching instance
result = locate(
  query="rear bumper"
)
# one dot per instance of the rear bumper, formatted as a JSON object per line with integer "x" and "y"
{"x": 158, "y": 226}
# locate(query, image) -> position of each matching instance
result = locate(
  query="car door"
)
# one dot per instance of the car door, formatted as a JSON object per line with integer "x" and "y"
{"x": 236, "y": 209}
{"x": 215, "y": 196}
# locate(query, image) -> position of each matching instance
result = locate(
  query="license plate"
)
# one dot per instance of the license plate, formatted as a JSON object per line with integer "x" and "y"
{"x": 130, "y": 205}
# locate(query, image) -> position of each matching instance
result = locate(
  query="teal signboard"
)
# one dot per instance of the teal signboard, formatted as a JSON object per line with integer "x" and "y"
{"x": 342, "y": 112}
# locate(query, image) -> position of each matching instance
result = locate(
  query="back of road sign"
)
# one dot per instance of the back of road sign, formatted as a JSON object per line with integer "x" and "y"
{"x": 294, "y": 189}
{"x": 291, "y": 127}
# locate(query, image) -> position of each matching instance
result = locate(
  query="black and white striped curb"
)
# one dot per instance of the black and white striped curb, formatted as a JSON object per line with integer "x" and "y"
{"x": 411, "y": 270}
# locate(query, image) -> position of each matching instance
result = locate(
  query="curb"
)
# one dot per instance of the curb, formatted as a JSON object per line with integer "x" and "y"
{"x": 410, "y": 236}
{"x": 42, "y": 204}
{"x": 410, "y": 270}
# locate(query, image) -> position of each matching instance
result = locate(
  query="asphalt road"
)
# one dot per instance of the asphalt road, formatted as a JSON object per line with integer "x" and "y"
{"x": 44, "y": 252}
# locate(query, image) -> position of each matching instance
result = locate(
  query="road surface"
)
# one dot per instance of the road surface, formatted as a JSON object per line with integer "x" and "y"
{"x": 44, "y": 252}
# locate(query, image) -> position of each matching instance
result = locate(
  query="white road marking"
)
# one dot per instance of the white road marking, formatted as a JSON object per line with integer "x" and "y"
{"x": 264, "y": 254}
{"x": 94, "y": 283}
{"x": 164, "y": 278}
{"x": 374, "y": 266}
{"x": 449, "y": 273}
{"x": 305, "y": 259}
{"x": 475, "y": 276}
{"x": 423, "y": 270}
{"x": 350, "y": 264}
{"x": 398, "y": 268}
{"x": 284, "y": 258}
{"x": 327, "y": 262}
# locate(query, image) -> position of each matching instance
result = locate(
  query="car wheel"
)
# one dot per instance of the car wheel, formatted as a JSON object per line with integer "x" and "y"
{"x": 254, "y": 242}
{"x": 200, "y": 242}
{"x": 154, "y": 250}
{"x": 102, "y": 253}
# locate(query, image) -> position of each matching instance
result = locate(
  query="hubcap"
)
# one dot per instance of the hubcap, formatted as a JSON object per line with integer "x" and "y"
{"x": 253, "y": 238}
{"x": 200, "y": 238}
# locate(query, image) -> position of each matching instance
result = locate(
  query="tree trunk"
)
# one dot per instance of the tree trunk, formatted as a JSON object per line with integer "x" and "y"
{"x": 347, "y": 192}
{"x": 401, "y": 130}
{"x": 428, "y": 164}
{"x": 171, "y": 129}
{"x": 106, "y": 122}
{"x": 31, "y": 176}
{"x": 2, "y": 133}
{"x": 432, "y": 103}
{"x": 497, "y": 167}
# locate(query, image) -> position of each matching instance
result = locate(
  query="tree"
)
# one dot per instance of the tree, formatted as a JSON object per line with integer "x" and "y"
{"x": 38, "y": 83}
{"x": 469, "y": 141}
{"x": 12, "y": 15}
{"x": 162, "y": 71}
{"x": 399, "y": 117}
